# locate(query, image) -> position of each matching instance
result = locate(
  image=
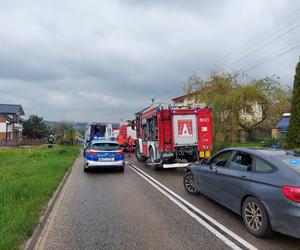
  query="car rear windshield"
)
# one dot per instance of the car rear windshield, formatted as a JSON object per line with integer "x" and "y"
{"x": 293, "y": 162}
{"x": 106, "y": 146}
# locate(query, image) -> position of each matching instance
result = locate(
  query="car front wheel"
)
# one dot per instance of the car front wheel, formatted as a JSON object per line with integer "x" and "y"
{"x": 256, "y": 218}
{"x": 189, "y": 183}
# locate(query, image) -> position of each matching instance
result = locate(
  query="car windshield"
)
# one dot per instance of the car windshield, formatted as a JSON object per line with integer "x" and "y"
{"x": 292, "y": 161}
{"x": 105, "y": 146}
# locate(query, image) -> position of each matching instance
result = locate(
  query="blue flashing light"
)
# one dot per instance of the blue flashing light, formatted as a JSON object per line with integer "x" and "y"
{"x": 294, "y": 161}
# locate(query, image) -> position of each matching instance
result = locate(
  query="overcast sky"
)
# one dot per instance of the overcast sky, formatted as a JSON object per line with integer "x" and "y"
{"x": 104, "y": 60}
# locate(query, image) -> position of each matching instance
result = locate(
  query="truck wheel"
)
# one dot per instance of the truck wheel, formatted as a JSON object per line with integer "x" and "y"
{"x": 138, "y": 154}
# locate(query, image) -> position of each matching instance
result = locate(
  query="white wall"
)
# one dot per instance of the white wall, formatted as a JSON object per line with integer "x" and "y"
{"x": 2, "y": 127}
{"x": 9, "y": 128}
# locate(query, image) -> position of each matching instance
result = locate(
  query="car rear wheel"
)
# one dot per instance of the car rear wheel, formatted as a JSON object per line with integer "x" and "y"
{"x": 121, "y": 169}
{"x": 256, "y": 218}
{"x": 189, "y": 183}
{"x": 85, "y": 169}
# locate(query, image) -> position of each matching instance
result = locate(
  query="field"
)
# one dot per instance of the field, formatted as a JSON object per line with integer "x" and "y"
{"x": 28, "y": 177}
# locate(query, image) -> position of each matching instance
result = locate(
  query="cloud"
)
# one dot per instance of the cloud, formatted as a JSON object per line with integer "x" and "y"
{"x": 104, "y": 60}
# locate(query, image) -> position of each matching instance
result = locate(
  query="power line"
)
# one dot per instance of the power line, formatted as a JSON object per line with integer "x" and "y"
{"x": 291, "y": 18}
{"x": 272, "y": 58}
{"x": 262, "y": 46}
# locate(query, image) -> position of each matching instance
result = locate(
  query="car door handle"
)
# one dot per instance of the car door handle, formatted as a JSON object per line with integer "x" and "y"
{"x": 243, "y": 176}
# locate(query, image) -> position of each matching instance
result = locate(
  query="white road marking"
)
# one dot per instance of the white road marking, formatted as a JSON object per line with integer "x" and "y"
{"x": 222, "y": 237}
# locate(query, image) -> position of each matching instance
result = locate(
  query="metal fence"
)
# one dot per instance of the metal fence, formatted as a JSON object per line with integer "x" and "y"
{"x": 23, "y": 142}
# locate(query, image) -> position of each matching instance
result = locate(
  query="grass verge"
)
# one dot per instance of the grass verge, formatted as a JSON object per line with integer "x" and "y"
{"x": 28, "y": 177}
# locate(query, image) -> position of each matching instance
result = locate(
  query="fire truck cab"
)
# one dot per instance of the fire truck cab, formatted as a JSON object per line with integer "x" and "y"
{"x": 169, "y": 136}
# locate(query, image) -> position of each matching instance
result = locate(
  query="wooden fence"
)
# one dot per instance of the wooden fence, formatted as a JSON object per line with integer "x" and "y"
{"x": 23, "y": 142}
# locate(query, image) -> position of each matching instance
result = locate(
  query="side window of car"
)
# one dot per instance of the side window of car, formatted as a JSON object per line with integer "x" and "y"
{"x": 221, "y": 159}
{"x": 262, "y": 167}
{"x": 241, "y": 162}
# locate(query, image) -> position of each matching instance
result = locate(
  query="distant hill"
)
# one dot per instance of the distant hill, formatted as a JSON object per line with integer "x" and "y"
{"x": 78, "y": 126}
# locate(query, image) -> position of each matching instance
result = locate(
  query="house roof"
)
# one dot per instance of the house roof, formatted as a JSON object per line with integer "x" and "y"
{"x": 8, "y": 118}
{"x": 22, "y": 120}
{"x": 283, "y": 124}
{"x": 11, "y": 109}
{"x": 183, "y": 96}
{"x": 11, "y": 120}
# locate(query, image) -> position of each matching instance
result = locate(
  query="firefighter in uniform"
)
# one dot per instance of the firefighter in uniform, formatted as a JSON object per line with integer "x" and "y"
{"x": 130, "y": 142}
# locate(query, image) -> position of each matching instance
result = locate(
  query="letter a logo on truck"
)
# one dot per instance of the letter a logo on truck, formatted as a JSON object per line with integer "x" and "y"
{"x": 185, "y": 128}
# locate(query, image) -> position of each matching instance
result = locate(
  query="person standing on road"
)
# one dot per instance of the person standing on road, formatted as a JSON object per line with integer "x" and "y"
{"x": 130, "y": 143}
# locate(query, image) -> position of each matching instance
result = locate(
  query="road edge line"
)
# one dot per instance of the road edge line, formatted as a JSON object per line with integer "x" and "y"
{"x": 32, "y": 241}
{"x": 152, "y": 181}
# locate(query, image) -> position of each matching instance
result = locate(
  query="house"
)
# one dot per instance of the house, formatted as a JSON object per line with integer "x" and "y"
{"x": 281, "y": 128}
{"x": 11, "y": 123}
{"x": 186, "y": 100}
{"x": 250, "y": 114}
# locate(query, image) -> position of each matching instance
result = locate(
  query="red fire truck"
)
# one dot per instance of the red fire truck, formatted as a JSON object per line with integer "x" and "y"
{"x": 127, "y": 130}
{"x": 169, "y": 136}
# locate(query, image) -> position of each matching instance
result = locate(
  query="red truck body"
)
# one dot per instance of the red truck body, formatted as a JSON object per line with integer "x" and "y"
{"x": 128, "y": 133}
{"x": 172, "y": 133}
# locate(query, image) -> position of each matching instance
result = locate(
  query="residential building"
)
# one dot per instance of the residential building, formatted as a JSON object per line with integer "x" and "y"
{"x": 186, "y": 100}
{"x": 281, "y": 128}
{"x": 252, "y": 113}
{"x": 11, "y": 122}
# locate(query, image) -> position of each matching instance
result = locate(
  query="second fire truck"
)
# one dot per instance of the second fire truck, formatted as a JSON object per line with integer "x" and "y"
{"x": 169, "y": 136}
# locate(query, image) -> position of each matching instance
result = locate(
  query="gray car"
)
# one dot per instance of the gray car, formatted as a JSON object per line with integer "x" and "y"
{"x": 261, "y": 185}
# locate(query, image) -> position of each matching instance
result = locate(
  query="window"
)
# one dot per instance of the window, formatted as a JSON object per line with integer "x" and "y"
{"x": 241, "y": 162}
{"x": 105, "y": 146}
{"x": 248, "y": 109}
{"x": 262, "y": 167}
{"x": 221, "y": 159}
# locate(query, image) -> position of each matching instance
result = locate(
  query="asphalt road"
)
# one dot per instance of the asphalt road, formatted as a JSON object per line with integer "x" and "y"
{"x": 111, "y": 210}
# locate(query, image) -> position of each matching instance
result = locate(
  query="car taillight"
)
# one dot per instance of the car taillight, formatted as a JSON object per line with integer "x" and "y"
{"x": 292, "y": 193}
{"x": 92, "y": 153}
{"x": 119, "y": 153}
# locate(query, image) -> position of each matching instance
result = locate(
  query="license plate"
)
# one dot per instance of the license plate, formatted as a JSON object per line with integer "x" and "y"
{"x": 106, "y": 159}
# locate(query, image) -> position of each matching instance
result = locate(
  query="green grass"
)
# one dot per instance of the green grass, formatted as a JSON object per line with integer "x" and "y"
{"x": 28, "y": 178}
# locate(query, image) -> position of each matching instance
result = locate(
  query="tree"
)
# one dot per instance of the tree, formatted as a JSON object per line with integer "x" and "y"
{"x": 35, "y": 128}
{"x": 64, "y": 133}
{"x": 238, "y": 103}
{"x": 293, "y": 132}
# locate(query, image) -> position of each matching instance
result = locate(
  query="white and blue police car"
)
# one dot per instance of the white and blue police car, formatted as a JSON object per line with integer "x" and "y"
{"x": 103, "y": 153}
